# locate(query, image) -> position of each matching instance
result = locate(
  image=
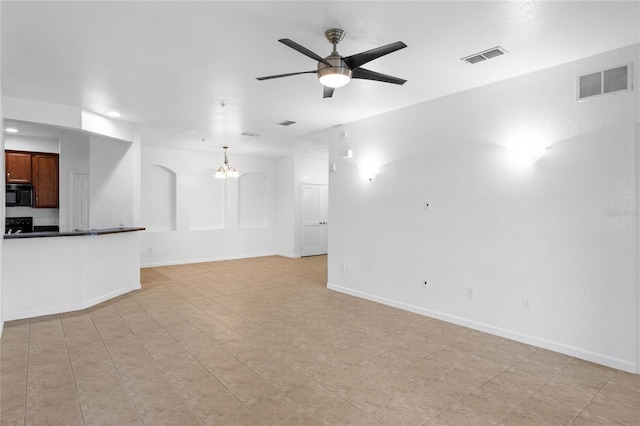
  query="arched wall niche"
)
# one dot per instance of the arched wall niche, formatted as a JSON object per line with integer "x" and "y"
{"x": 158, "y": 197}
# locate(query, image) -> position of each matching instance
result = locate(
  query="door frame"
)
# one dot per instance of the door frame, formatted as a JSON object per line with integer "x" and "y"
{"x": 300, "y": 214}
{"x": 72, "y": 175}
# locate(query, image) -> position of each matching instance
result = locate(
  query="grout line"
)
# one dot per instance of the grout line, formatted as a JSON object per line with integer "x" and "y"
{"x": 590, "y": 400}
{"x": 109, "y": 303}
{"x": 132, "y": 297}
{"x": 75, "y": 384}
{"x": 26, "y": 379}
{"x": 536, "y": 389}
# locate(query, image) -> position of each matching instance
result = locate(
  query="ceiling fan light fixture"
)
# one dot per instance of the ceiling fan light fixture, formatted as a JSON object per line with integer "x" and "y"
{"x": 335, "y": 70}
{"x": 335, "y": 77}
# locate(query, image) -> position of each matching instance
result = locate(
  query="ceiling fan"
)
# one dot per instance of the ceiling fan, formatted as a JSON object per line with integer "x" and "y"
{"x": 335, "y": 71}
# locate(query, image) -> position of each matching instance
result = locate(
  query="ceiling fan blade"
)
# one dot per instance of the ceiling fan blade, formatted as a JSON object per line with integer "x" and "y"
{"x": 354, "y": 61}
{"x": 285, "y": 75}
{"x": 327, "y": 92}
{"x": 295, "y": 46}
{"x": 372, "y": 75}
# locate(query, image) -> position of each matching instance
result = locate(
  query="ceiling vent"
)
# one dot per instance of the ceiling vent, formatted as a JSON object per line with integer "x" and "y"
{"x": 286, "y": 123}
{"x": 604, "y": 82}
{"x": 253, "y": 135}
{"x": 483, "y": 56}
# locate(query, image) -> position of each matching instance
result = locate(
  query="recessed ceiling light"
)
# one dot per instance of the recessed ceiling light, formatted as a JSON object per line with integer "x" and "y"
{"x": 113, "y": 114}
{"x": 11, "y": 130}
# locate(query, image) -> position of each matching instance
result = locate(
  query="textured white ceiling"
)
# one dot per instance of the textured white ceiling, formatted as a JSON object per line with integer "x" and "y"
{"x": 169, "y": 66}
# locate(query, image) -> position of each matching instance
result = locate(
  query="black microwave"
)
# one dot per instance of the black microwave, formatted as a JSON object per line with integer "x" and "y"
{"x": 18, "y": 195}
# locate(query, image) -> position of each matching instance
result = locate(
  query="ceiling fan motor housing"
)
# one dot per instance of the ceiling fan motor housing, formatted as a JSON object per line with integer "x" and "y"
{"x": 338, "y": 73}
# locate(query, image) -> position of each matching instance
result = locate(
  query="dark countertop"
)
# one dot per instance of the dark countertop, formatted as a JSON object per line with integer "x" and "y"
{"x": 72, "y": 234}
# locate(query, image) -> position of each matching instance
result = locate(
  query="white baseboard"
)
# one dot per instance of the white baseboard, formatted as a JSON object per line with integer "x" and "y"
{"x": 72, "y": 306}
{"x": 204, "y": 260}
{"x": 584, "y": 354}
{"x": 111, "y": 295}
{"x": 290, "y": 255}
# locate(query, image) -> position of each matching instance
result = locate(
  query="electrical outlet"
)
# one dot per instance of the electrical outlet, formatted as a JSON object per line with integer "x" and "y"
{"x": 526, "y": 303}
{"x": 470, "y": 292}
{"x": 425, "y": 283}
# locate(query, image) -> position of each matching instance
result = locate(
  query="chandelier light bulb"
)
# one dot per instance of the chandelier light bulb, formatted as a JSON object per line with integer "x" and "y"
{"x": 226, "y": 171}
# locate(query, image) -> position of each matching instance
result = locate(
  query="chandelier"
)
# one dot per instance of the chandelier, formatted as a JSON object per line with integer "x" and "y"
{"x": 225, "y": 171}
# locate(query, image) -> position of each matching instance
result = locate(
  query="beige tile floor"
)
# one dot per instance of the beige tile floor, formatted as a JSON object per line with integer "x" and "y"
{"x": 262, "y": 341}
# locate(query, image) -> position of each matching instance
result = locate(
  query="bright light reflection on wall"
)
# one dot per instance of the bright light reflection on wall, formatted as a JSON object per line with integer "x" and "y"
{"x": 369, "y": 170}
{"x": 527, "y": 149}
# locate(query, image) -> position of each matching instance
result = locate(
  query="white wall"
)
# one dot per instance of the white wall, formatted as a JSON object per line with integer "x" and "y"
{"x": 112, "y": 177}
{"x": 159, "y": 198}
{"x": 192, "y": 217}
{"x": 637, "y": 215}
{"x": 74, "y": 158}
{"x": 176, "y": 234}
{"x": 33, "y": 144}
{"x": 560, "y": 232}
{"x": 286, "y": 220}
{"x": 101, "y": 125}
{"x": 42, "y": 112}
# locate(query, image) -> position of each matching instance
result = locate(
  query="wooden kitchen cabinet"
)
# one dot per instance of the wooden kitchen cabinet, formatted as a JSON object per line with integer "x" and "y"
{"x": 45, "y": 180}
{"x": 17, "y": 167}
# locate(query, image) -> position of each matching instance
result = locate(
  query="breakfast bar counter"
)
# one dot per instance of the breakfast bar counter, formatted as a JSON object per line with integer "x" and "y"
{"x": 43, "y": 274}
{"x": 105, "y": 231}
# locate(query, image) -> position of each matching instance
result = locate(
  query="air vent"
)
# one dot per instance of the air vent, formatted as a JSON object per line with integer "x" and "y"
{"x": 286, "y": 123}
{"x": 253, "y": 135}
{"x": 603, "y": 82}
{"x": 483, "y": 56}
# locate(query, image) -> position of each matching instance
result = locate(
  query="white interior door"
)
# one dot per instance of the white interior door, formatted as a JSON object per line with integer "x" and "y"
{"x": 80, "y": 202}
{"x": 314, "y": 203}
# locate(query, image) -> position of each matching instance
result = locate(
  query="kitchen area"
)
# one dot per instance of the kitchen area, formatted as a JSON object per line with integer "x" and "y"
{"x": 71, "y": 185}
{"x": 37, "y": 178}
{"x": 31, "y": 191}
{"x": 47, "y": 181}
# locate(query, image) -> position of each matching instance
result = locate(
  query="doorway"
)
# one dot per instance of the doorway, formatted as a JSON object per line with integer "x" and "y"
{"x": 80, "y": 202}
{"x": 314, "y": 206}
